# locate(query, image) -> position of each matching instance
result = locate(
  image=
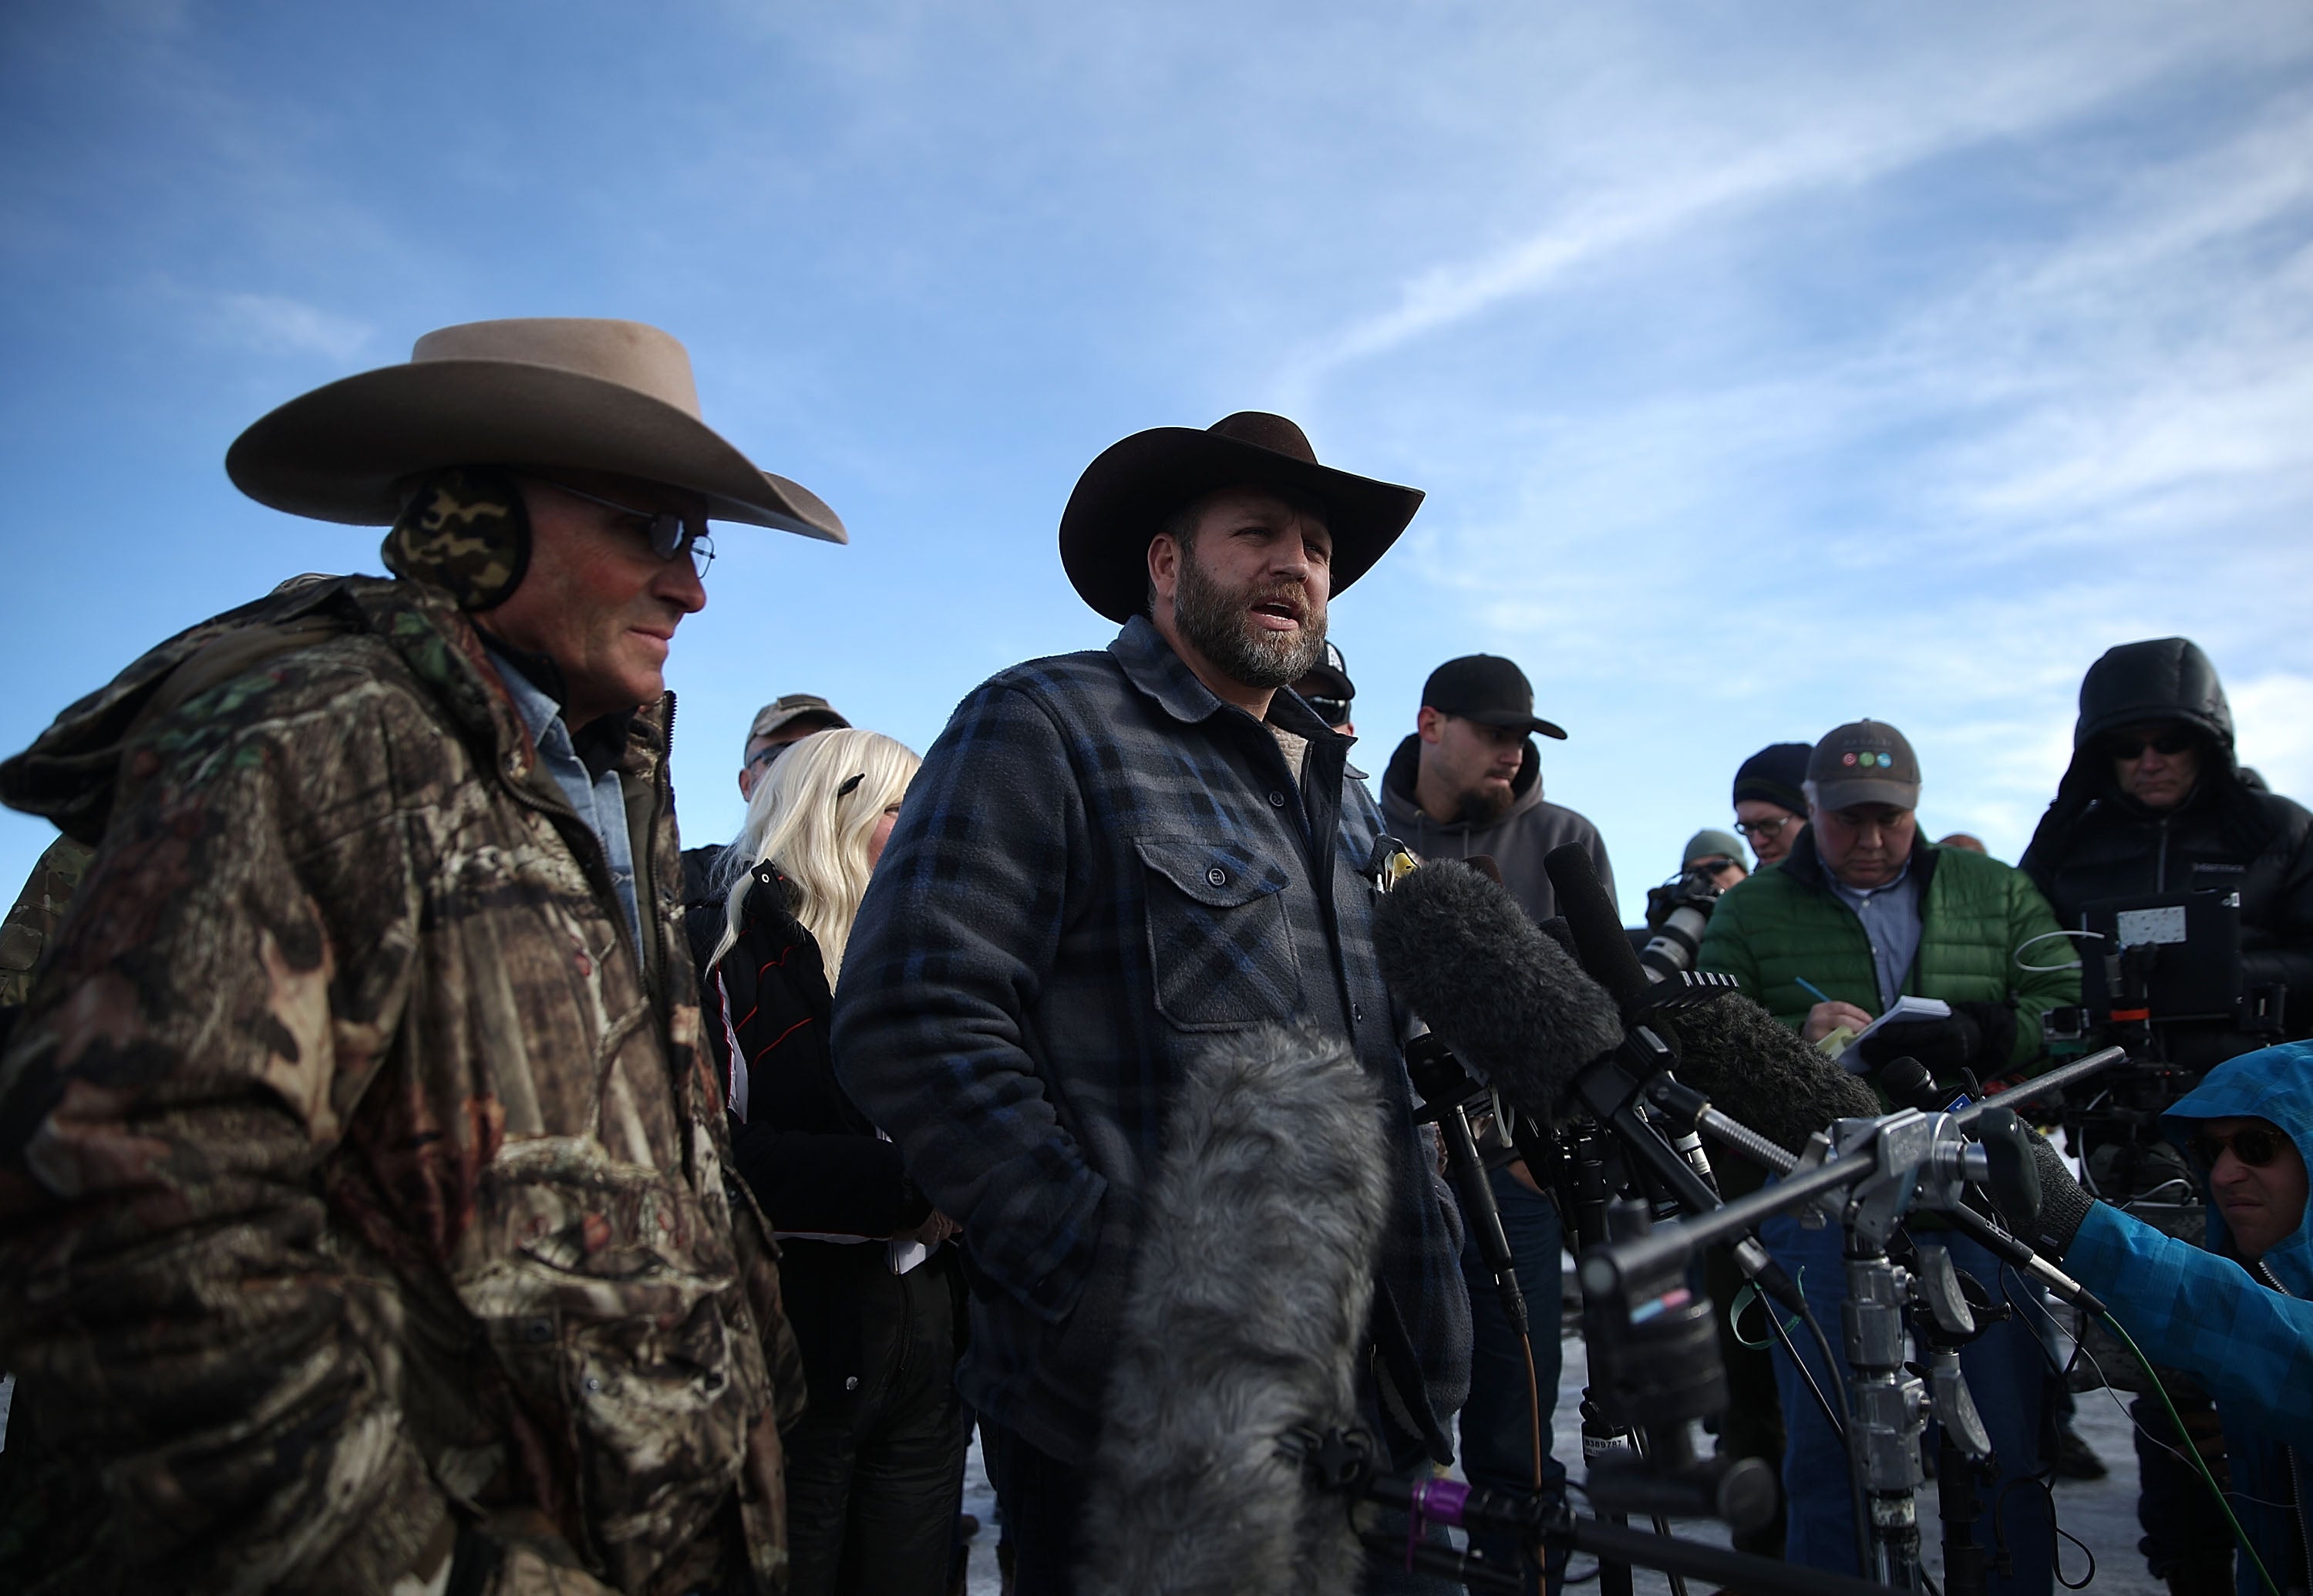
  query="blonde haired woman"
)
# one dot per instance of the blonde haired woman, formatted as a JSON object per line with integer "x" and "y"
{"x": 875, "y": 1467}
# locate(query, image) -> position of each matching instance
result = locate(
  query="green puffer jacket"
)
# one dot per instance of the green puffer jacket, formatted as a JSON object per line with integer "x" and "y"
{"x": 1786, "y": 925}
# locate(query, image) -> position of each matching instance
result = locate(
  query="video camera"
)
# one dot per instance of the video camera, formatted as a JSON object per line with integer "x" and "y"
{"x": 2157, "y": 961}
{"x": 2162, "y": 975}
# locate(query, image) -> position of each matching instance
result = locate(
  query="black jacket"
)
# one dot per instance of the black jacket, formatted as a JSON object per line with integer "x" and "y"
{"x": 812, "y": 1159}
{"x": 2229, "y": 833}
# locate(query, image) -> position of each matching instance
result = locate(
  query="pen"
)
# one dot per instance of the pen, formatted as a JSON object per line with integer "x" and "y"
{"x": 1821, "y": 996}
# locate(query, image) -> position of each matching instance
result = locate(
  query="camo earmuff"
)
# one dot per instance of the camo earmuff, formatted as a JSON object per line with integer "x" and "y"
{"x": 466, "y": 530}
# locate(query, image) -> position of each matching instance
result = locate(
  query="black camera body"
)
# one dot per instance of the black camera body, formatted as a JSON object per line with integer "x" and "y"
{"x": 2161, "y": 974}
{"x": 1676, "y": 912}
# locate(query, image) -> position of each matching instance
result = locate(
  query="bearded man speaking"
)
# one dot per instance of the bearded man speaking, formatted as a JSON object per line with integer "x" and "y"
{"x": 1108, "y": 862}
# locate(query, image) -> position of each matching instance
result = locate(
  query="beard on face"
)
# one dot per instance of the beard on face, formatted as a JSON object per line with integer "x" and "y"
{"x": 1218, "y": 621}
{"x": 1483, "y": 805}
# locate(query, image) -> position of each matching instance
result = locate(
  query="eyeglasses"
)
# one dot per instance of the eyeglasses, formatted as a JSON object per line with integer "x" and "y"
{"x": 1769, "y": 829}
{"x": 2170, "y": 743}
{"x": 671, "y": 532}
{"x": 1333, "y": 711}
{"x": 2254, "y": 1145}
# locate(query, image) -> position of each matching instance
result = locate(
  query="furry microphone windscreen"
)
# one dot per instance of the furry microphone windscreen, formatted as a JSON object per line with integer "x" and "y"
{"x": 1248, "y": 1298}
{"x": 1507, "y": 998}
{"x": 1759, "y": 1071}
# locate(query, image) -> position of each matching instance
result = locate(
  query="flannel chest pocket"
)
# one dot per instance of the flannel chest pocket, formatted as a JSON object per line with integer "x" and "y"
{"x": 1219, "y": 944}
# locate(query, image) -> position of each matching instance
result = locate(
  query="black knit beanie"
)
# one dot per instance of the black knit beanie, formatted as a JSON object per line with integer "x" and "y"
{"x": 1773, "y": 774}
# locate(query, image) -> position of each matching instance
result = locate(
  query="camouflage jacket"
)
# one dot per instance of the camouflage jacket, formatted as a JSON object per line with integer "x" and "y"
{"x": 361, "y": 1190}
{"x": 33, "y": 919}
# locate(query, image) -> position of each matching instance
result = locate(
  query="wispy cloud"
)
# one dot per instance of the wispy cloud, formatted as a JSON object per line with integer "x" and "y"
{"x": 1836, "y": 134}
{"x": 276, "y": 324}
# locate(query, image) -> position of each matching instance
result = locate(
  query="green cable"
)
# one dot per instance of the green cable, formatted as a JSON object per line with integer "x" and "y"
{"x": 2193, "y": 1452}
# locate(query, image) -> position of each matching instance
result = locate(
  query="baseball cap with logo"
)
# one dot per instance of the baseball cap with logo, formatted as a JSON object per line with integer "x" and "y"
{"x": 793, "y": 707}
{"x": 1488, "y": 689}
{"x": 1864, "y": 762}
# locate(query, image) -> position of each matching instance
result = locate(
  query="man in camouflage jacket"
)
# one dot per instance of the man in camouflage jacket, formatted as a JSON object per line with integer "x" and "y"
{"x": 33, "y": 919}
{"x": 363, "y": 1189}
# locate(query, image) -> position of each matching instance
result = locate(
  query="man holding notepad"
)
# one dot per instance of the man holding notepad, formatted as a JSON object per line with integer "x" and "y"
{"x": 1862, "y": 914}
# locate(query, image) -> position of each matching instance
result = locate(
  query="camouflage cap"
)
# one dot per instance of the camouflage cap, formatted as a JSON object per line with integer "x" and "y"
{"x": 788, "y": 709}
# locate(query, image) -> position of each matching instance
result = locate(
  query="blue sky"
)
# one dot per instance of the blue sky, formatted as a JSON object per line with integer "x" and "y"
{"x": 1766, "y": 365}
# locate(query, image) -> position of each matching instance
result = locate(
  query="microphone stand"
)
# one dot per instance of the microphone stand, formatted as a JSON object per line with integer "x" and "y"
{"x": 1604, "y": 1443}
{"x": 1881, "y": 1167}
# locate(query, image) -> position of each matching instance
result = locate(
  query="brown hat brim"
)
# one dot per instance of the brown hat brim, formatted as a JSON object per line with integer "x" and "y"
{"x": 340, "y": 453}
{"x": 1125, "y": 494}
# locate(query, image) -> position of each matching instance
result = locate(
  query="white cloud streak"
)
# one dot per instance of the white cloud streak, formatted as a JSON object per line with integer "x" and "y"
{"x": 276, "y": 325}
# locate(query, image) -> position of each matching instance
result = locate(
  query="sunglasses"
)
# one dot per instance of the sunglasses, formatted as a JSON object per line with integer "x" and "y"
{"x": 2170, "y": 743}
{"x": 1769, "y": 829}
{"x": 2256, "y": 1146}
{"x": 1333, "y": 711}
{"x": 670, "y": 533}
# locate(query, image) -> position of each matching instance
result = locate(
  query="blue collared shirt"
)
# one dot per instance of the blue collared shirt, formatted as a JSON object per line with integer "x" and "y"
{"x": 1891, "y": 920}
{"x": 598, "y": 799}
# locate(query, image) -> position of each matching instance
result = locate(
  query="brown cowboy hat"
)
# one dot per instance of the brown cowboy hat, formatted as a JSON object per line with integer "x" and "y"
{"x": 1125, "y": 494}
{"x": 547, "y": 391}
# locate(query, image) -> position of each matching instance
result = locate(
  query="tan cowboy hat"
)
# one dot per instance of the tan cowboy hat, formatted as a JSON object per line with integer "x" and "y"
{"x": 1125, "y": 494}
{"x": 547, "y": 391}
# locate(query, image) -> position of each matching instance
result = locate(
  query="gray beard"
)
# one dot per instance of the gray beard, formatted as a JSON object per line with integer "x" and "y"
{"x": 1213, "y": 619}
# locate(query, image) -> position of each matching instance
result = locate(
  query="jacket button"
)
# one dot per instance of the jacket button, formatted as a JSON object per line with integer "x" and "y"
{"x": 1277, "y": 800}
{"x": 1216, "y": 876}
{"x": 850, "y": 1382}
{"x": 1357, "y": 1014}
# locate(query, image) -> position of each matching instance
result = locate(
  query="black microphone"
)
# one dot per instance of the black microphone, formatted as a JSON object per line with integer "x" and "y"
{"x": 1506, "y": 997}
{"x": 1237, "y": 1342}
{"x": 1595, "y": 924}
{"x": 1730, "y": 1050}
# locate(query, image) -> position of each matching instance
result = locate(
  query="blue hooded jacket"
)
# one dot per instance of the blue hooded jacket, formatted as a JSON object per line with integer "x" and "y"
{"x": 2250, "y": 1343}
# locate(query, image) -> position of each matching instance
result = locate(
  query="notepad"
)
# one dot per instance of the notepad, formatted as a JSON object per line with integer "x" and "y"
{"x": 1907, "y": 1008}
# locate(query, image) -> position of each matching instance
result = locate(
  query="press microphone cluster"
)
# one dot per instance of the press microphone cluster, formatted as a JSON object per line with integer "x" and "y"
{"x": 1507, "y": 998}
{"x": 1511, "y": 1001}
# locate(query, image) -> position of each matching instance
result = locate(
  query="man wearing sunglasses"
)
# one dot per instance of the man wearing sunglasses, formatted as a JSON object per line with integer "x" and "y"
{"x": 2236, "y": 1317}
{"x": 362, "y": 1224}
{"x": 2155, "y": 802}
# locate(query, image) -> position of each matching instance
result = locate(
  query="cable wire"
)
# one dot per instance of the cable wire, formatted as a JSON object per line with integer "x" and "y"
{"x": 2199, "y": 1464}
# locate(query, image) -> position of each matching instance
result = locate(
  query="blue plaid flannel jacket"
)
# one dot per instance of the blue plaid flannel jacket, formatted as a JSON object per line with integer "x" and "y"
{"x": 1100, "y": 866}
{"x": 2247, "y": 1338}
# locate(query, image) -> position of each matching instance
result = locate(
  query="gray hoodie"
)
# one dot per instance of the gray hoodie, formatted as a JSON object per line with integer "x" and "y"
{"x": 1518, "y": 841}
